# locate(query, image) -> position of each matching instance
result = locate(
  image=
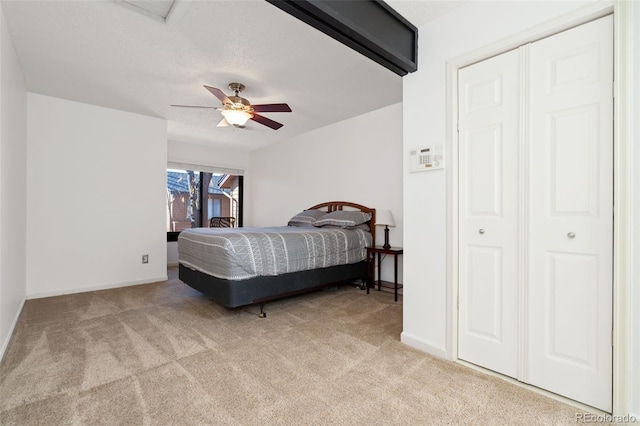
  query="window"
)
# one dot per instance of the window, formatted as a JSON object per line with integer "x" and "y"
{"x": 215, "y": 206}
{"x": 195, "y": 197}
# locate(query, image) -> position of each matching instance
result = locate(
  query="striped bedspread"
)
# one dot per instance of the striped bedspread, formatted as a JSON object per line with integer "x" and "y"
{"x": 243, "y": 253}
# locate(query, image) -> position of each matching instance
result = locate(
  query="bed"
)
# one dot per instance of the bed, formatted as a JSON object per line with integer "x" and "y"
{"x": 245, "y": 266}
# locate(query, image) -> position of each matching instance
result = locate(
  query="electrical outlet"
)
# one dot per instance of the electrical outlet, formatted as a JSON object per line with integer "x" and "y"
{"x": 145, "y": 258}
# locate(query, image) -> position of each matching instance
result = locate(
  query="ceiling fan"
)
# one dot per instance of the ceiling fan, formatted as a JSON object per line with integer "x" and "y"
{"x": 236, "y": 110}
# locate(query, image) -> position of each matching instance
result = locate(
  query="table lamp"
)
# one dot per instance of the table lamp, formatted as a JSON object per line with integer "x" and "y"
{"x": 384, "y": 217}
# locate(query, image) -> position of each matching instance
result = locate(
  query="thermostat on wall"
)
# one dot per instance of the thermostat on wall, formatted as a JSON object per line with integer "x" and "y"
{"x": 426, "y": 158}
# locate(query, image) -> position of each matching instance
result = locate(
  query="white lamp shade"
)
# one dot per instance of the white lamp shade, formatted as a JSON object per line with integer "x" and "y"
{"x": 384, "y": 217}
{"x": 236, "y": 117}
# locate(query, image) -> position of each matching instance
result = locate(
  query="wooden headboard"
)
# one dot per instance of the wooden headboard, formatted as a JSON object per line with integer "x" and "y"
{"x": 332, "y": 206}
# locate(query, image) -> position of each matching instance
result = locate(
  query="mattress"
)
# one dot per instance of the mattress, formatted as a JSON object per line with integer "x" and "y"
{"x": 244, "y": 253}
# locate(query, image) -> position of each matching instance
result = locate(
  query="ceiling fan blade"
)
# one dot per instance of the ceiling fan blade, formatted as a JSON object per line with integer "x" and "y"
{"x": 218, "y": 94}
{"x": 193, "y": 106}
{"x": 223, "y": 123}
{"x": 271, "y": 108}
{"x": 266, "y": 121}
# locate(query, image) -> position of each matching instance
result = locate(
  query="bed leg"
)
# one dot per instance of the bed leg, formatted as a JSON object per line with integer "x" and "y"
{"x": 263, "y": 314}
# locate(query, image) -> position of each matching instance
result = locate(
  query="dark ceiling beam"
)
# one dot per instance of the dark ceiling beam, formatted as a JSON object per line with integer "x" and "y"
{"x": 370, "y": 27}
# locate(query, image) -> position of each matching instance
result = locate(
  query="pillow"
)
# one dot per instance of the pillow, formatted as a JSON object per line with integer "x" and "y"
{"x": 343, "y": 219}
{"x": 362, "y": 226}
{"x": 306, "y": 218}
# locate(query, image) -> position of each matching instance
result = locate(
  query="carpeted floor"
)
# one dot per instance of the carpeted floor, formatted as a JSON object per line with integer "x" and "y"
{"x": 163, "y": 354}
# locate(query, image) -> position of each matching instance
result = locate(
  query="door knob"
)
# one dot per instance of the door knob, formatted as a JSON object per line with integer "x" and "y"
{"x": 481, "y": 231}
{"x": 571, "y": 235}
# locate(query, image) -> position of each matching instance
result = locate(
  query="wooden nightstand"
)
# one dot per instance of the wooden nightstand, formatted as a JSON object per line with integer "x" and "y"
{"x": 371, "y": 255}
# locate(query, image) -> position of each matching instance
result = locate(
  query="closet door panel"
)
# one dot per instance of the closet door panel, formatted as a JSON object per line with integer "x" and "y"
{"x": 571, "y": 213}
{"x": 488, "y": 280}
{"x": 574, "y": 148}
{"x": 573, "y": 286}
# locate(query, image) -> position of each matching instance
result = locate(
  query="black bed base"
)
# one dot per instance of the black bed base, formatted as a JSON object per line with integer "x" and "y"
{"x": 233, "y": 294}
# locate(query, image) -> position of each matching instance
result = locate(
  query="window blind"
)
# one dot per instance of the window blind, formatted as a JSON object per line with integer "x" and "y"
{"x": 204, "y": 168}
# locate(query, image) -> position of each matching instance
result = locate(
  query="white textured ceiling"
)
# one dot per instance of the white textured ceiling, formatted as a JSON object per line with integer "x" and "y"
{"x": 101, "y": 53}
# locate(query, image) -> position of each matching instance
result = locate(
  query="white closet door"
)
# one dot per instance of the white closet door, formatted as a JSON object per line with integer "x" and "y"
{"x": 488, "y": 239}
{"x": 571, "y": 213}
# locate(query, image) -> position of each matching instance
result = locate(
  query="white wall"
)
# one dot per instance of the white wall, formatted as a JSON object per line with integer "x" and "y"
{"x": 204, "y": 155}
{"x": 473, "y": 26}
{"x": 13, "y": 199}
{"x": 96, "y": 185}
{"x": 357, "y": 160}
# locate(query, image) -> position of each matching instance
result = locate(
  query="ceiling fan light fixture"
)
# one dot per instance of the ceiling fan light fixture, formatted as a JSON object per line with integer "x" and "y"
{"x": 236, "y": 110}
{"x": 236, "y": 117}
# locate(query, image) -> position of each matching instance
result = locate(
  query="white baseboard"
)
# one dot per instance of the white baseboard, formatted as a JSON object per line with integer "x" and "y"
{"x": 95, "y": 288}
{"x": 5, "y": 344}
{"x": 423, "y": 345}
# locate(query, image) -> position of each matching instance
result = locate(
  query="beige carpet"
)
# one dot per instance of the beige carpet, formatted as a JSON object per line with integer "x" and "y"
{"x": 162, "y": 354}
